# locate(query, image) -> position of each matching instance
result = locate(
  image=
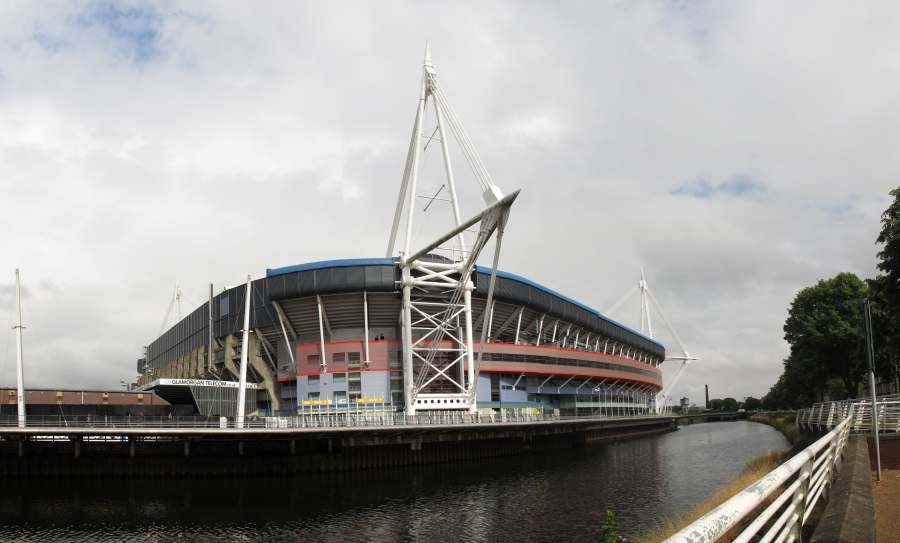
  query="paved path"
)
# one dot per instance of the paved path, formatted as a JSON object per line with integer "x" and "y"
{"x": 887, "y": 493}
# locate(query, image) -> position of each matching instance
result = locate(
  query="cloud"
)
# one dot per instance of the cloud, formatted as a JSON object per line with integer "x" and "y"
{"x": 735, "y": 151}
{"x": 739, "y": 186}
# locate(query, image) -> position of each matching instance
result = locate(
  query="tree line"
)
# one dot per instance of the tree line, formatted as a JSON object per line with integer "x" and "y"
{"x": 826, "y": 333}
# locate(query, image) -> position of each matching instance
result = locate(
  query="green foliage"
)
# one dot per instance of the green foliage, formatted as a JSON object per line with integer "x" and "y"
{"x": 826, "y": 333}
{"x": 752, "y": 404}
{"x": 609, "y": 531}
{"x": 824, "y": 329}
{"x": 728, "y": 404}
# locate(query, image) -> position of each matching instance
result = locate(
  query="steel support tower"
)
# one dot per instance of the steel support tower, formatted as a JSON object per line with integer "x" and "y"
{"x": 440, "y": 367}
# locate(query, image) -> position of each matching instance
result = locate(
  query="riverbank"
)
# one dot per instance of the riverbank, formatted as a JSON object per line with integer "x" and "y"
{"x": 755, "y": 469}
{"x": 786, "y": 423}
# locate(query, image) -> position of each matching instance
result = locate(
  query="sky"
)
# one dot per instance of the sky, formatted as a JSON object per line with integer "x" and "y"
{"x": 737, "y": 151}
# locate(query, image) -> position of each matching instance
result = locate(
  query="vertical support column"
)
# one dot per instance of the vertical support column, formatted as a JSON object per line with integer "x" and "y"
{"x": 540, "y": 331}
{"x": 323, "y": 365}
{"x": 414, "y": 167}
{"x": 519, "y": 325}
{"x": 448, "y": 169}
{"x": 490, "y": 323}
{"x": 209, "y": 350}
{"x": 406, "y": 316}
{"x": 245, "y": 351}
{"x": 20, "y": 366}
{"x": 366, "y": 325}
{"x": 470, "y": 349}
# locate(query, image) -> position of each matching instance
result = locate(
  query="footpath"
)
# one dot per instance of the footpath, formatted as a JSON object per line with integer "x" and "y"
{"x": 887, "y": 492}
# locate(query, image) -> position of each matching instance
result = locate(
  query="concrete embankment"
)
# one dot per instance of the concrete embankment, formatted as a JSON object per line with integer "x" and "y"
{"x": 209, "y": 453}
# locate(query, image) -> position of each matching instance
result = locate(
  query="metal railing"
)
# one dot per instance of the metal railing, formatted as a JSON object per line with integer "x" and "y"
{"x": 789, "y": 494}
{"x": 824, "y": 415}
{"x": 362, "y": 419}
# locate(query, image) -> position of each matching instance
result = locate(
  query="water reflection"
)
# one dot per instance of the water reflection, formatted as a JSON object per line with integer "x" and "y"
{"x": 559, "y": 496}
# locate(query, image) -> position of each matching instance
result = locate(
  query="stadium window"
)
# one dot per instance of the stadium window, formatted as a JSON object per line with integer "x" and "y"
{"x": 353, "y": 360}
{"x": 224, "y": 306}
{"x": 313, "y": 359}
{"x": 312, "y": 396}
{"x": 337, "y": 358}
{"x": 340, "y": 378}
{"x": 312, "y": 380}
{"x": 340, "y": 397}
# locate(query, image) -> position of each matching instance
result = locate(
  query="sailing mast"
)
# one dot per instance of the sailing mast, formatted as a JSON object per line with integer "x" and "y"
{"x": 20, "y": 372}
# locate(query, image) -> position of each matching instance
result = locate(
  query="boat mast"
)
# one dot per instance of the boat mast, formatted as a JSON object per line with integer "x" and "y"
{"x": 20, "y": 372}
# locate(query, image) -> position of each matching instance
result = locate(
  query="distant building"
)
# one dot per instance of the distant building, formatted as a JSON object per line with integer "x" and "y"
{"x": 68, "y": 402}
{"x": 685, "y": 404}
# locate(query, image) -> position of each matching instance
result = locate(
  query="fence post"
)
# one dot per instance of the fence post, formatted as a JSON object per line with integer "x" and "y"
{"x": 799, "y": 501}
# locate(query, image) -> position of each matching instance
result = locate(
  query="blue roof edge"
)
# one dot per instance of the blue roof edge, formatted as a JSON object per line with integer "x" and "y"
{"x": 348, "y": 262}
{"x": 529, "y": 282}
{"x": 322, "y": 264}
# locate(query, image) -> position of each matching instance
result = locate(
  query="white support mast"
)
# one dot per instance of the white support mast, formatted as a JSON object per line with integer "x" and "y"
{"x": 647, "y": 300}
{"x": 20, "y": 367}
{"x": 439, "y": 365}
{"x": 245, "y": 348}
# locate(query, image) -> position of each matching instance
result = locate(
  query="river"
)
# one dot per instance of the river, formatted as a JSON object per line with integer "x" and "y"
{"x": 558, "y": 496}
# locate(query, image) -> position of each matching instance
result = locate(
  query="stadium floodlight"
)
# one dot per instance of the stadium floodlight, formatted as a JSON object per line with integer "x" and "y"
{"x": 439, "y": 365}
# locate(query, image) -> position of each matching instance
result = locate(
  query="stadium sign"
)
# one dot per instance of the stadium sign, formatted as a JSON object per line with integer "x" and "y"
{"x": 204, "y": 383}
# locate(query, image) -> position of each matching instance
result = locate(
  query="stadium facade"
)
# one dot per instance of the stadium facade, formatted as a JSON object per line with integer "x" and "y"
{"x": 328, "y": 335}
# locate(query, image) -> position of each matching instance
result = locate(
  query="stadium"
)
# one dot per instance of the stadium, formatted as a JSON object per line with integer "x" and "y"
{"x": 422, "y": 329}
{"x": 329, "y": 334}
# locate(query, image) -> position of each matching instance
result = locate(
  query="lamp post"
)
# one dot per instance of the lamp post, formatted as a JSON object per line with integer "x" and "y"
{"x": 870, "y": 349}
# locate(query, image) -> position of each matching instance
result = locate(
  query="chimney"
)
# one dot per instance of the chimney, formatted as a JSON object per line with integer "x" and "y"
{"x": 707, "y": 396}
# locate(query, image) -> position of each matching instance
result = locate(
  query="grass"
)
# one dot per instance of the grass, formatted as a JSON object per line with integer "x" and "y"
{"x": 783, "y": 423}
{"x": 757, "y": 467}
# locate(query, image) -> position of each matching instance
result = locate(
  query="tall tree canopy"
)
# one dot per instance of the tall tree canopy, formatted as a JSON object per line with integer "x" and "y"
{"x": 824, "y": 330}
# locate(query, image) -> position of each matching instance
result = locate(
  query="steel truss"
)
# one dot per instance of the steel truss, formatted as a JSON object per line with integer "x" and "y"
{"x": 440, "y": 369}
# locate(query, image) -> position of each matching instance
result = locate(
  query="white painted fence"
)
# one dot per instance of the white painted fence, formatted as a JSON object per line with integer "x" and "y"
{"x": 823, "y": 416}
{"x": 786, "y": 495}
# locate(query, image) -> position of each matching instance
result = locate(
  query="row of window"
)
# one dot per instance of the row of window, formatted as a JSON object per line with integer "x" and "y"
{"x": 353, "y": 362}
{"x": 559, "y": 361}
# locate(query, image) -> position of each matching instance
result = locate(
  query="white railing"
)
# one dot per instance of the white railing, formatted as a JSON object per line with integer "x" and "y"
{"x": 823, "y": 416}
{"x": 362, "y": 419}
{"x": 789, "y": 494}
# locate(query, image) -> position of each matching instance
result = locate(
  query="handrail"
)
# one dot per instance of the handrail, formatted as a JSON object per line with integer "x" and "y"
{"x": 824, "y": 415}
{"x": 362, "y": 419}
{"x": 807, "y": 475}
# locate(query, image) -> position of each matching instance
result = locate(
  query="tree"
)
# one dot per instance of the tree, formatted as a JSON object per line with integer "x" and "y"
{"x": 824, "y": 330}
{"x": 752, "y": 404}
{"x": 885, "y": 293}
{"x": 728, "y": 404}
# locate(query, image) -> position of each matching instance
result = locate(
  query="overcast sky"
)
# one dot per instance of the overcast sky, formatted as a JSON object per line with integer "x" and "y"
{"x": 738, "y": 151}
